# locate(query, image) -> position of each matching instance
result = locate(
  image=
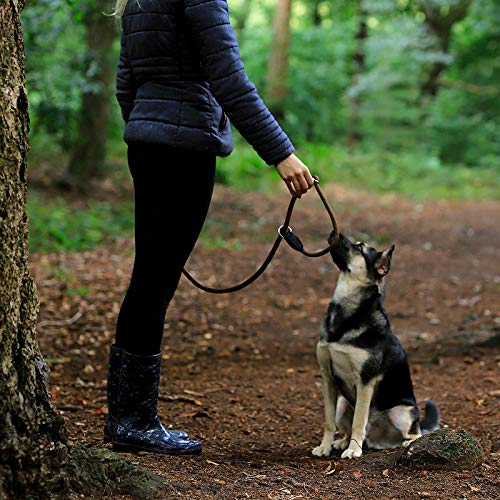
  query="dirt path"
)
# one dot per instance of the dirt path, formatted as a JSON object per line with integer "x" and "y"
{"x": 240, "y": 370}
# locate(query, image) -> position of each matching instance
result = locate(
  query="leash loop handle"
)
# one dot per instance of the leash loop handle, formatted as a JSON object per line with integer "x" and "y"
{"x": 292, "y": 239}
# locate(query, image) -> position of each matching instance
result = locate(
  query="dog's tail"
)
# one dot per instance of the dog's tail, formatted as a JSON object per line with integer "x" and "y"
{"x": 431, "y": 419}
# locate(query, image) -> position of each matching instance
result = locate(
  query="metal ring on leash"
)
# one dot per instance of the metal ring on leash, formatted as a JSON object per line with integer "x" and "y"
{"x": 289, "y": 230}
{"x": 290, "y": 238}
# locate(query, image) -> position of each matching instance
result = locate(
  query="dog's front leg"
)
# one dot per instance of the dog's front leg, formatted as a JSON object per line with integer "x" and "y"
{"x": 329, "y": 398}
{"x": 364, "y": 395}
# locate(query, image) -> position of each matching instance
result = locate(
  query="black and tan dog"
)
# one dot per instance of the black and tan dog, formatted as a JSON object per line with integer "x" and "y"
{"x": 367, "y": 389}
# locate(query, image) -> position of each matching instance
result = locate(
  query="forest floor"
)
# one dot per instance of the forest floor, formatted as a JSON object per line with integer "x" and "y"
{"x": 239, "y": 370}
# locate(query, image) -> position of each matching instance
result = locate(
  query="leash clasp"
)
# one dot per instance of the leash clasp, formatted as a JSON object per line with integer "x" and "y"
{"x": 292, "y": 240}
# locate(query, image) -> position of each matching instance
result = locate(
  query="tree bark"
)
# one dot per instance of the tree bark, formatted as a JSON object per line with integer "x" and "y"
{"x": 439, "y": 21}
{"x": 31, "y": 432}
{"x": 359, "y": 63}
{"x": 241, "y": 18}
{"x": 316, "y": 15}
{"x": 277, "y": 72}
{"x": 89, "y": 153}
{"x": 36, "y": 460}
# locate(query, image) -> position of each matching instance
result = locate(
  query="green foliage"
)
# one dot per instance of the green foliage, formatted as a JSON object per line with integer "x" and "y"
{"x": 55, "y": 50}
{"x": 400, "y": 128}
{"x": 464, "y": 120}
{"x": 459, "y": 126}
{"x": 56, "y": 226}
{"x": 418, "y": 176}
{"x": 59, "y": 226}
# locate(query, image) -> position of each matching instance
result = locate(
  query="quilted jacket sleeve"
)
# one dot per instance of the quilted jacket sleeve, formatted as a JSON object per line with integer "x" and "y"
{"x": 223, "y": 69}
{"x": 125, "y": 86}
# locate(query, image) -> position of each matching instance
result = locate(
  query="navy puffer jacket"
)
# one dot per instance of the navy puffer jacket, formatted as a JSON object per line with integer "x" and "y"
{"x": 179, "y": 69}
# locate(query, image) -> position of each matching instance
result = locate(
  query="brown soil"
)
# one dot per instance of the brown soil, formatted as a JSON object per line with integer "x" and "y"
{"x": 240, "y": 372}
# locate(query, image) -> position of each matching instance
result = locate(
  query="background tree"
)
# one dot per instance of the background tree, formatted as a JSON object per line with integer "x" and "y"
{"x": 440, "y": 17}
{"x": 89, "y": 150}
{"x": 359, "y": 66}
{"x": 316, "y": 12}
{"x": 241, "y": 17}
{"x": 277, "y": 71}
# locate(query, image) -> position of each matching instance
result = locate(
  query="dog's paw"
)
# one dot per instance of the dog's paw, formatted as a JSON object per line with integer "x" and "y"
{"x": 341, "y": 444}
{"x": 323, "y": 450}
{"x": 352, "y": 452}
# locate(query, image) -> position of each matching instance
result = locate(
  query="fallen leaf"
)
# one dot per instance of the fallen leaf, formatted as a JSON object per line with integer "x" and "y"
{"x": 211, "y": 462}
{"x": 357, "y": 474}
{"x": 385, "y": 472}
{"x": 330, "y": 469}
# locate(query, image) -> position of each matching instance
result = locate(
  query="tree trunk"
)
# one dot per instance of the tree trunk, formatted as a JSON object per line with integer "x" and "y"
{"x": 36, "y": 460}
{"x": 278, "y": 59}
{"x": 241, "y": 18}
{"x": 359, "y": 64}
{"x": 89, "y": 153}
{"x": 439, "y": 21}
{"x": 316, "y": 15}
{"x": 31, "y": 432}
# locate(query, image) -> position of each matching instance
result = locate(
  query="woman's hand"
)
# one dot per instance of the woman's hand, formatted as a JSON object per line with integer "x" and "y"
{"x": 296, "y": 175}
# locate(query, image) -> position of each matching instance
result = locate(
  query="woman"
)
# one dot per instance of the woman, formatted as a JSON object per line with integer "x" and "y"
{"x": 179, "y": 69}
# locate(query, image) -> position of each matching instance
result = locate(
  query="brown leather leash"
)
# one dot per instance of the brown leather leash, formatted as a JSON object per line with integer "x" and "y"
{"x": 292, "y": 239}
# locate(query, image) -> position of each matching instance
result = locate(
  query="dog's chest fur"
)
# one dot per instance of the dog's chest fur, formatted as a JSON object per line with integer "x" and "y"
{"x": 347, "y": 364}
{"x": 352, "y": 330}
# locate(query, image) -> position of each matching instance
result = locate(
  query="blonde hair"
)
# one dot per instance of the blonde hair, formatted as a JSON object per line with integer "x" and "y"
{"x": 120, "y": 7}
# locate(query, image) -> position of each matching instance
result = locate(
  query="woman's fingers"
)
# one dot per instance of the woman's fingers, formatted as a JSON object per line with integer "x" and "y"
{"x": 296, "y": 175}
{"x": 309, "y": 178}
{"x": 290, "y": 187}
{"x": 304, "y": 186}
{"x": 297, "y": 187}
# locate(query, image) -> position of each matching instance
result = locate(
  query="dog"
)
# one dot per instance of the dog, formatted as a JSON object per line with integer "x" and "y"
{"x": 367, "y": 388}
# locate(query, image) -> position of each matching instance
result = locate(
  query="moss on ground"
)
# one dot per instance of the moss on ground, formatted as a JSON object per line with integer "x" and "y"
{"x": 445, "y": 449}
{"x": 100, "y": 471}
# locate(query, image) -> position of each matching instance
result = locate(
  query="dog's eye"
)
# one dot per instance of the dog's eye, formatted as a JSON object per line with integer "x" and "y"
{"x": 358, "y": 246}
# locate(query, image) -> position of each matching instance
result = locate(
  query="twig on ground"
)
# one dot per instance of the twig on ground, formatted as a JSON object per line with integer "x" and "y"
{"x": 62, "y": 322}
{"x": 181, "y": 399}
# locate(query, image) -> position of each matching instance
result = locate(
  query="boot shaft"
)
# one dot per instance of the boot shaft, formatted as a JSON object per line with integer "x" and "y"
{"x": 133, "y": 385}
{"x": 115, "y": 365}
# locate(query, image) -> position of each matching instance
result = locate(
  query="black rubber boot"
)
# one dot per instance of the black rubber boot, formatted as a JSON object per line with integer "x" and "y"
{"x": 115, "y": 364}
{"x": 133, "y": 422}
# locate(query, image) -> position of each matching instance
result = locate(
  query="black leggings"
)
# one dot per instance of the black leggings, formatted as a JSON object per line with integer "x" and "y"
{"x": 173, "y": 189}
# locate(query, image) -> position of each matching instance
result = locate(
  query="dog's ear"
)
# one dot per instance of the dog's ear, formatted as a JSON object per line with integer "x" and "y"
{"x": 383, "y": 262}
